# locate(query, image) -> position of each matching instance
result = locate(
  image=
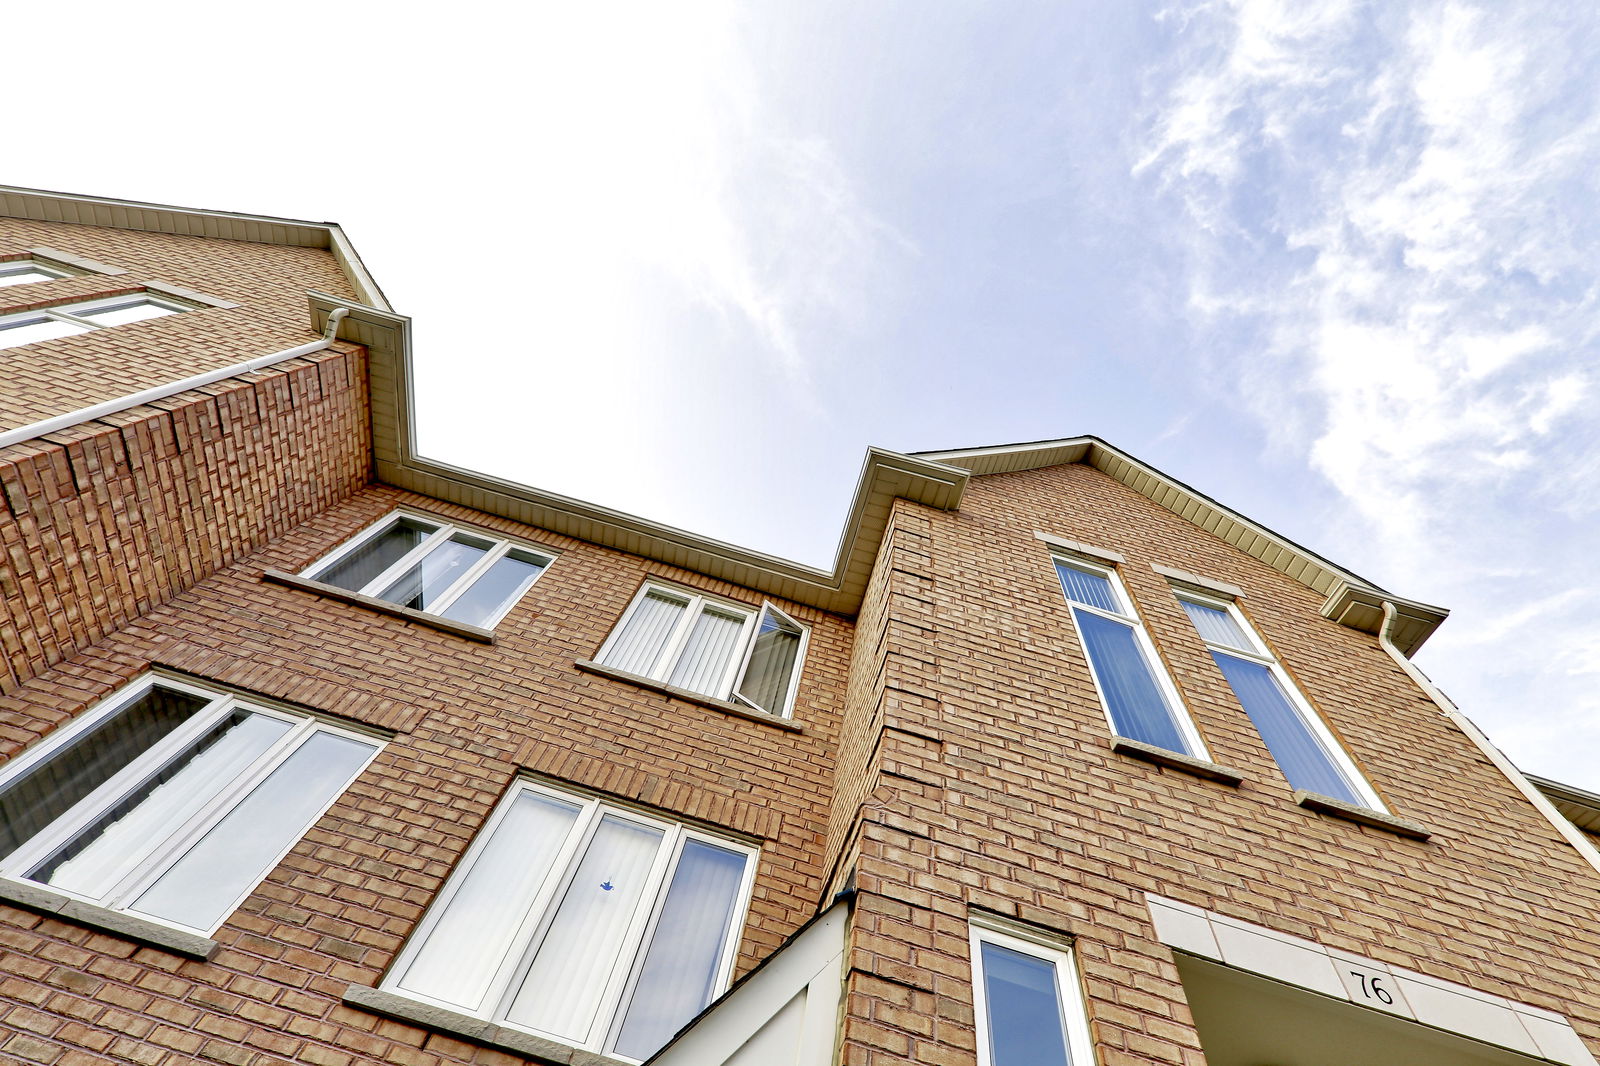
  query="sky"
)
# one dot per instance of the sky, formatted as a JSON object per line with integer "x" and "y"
{"x": 1331, "y": 263}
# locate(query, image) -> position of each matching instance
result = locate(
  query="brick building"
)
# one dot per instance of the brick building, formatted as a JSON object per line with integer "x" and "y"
{"x": 316, "y": 750}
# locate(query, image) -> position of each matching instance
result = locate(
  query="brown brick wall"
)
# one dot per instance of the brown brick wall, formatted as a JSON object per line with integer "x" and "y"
{"x": 268, "y": 281}
{"x": 1021, "y": 807}
{"x": 470, "y": 716}
{"x": 106, "y": 520}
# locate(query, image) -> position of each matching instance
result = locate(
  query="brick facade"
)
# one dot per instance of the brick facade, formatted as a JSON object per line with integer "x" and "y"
{"x": 951, "y": 754}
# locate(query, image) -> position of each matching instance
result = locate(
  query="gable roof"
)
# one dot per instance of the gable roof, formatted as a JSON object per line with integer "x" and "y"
{"x": 42, "y": 205}
{"x": 936, "y": 479}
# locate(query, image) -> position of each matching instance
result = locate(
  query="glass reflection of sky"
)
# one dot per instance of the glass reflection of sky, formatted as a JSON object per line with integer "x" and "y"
{"x": 1024, "y": 1009}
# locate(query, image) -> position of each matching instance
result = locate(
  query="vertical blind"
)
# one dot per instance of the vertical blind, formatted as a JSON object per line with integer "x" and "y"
{"x": 679, "y": 974}
{"x": 703, "y": 662}
{"x": 1305, "y": 762}
{"x": 563, "y": 987}
{"x": 1092, "y": 590}
{"x": 1138, "y": 709}
{"x": 644, "y": 635}
{"x": 466, "y": 945}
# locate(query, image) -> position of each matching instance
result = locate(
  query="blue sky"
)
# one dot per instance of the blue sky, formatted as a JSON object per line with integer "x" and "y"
{"x": 1331, "y": 263}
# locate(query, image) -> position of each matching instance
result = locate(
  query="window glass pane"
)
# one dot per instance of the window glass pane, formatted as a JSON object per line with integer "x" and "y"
{"x": 1025, "y": 1024}
{"x": 435, "y": 572}
{"x": 50, "y": 789}
{"x": 103, "y": 853}
{"x": 505, "y": 581}
{"x": 707, "y": 654}
{"x": 32, "y": 330}
{"x": 1093, "y": 590}
{"x": 199, "y": 890}
{"x": 124, "y": 313}
{"x": 772, "y": 663}
{"x": 1138, "y": 709}
{"x": 1217, "y": 626}
{"x": 562, "y": 990}
{"x": 23, "y": 275}
{"x": 1296, "y": 748}
{"x": 469, "y": 942}
{"x": 356, "y": 569}
{"x": 645, "y": 633}
{"x": 680, "y": 969}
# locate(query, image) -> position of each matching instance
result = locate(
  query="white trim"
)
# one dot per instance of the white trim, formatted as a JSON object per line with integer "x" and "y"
{"x": 1262, "y": 655}
{"x": 1128, "y": 616}
{"x": 513, "y": 964}
{"x": 1070, "y": 1000}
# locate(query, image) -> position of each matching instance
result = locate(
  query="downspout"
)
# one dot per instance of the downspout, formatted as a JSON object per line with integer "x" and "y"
{"x": 1573, "y": 834}
{"x": 172, "y": 388}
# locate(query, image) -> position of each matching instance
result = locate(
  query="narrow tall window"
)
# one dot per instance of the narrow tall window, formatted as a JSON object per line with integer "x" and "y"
{"x": 1026, "y": 997}
{"x": 26, "y": 327}
{"x": 584, "y": 922}
{"x": 171, "y": 802}
{"x": 432, "y": 566}
{"x": 1297, "y": 738}
{"x": 713, "y": 647}
{"x": 1139, "y": 698}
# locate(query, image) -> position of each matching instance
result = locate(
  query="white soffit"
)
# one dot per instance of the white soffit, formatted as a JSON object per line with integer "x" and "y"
{"x": 43, "y": 206}
{"x": 1352, "y": 600}
{"x": 1580, "y": 807}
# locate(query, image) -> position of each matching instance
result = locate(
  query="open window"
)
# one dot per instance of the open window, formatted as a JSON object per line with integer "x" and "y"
{"x": 711, "y": 646}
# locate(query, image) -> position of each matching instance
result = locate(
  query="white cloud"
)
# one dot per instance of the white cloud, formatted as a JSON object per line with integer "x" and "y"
{"x": 1399, "y": 199}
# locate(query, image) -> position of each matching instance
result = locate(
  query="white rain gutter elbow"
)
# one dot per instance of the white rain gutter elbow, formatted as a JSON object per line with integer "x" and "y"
{"x": 1572, "y": 833}
{"x": 110, "y": 407}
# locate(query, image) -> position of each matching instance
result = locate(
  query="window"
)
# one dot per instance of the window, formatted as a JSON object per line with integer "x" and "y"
{"x": 1297, "y": 738}
{"x": 171, "y": 802}
{"x": 1027, "y": 1001}
{"x": 1139, "y": 698}
{"x": 27, "y": 271}
{"x": 710, "y": 646}
{"x": 26, "y": 327}
{"x": 582, "y": 922}
{"x": 432, "y": 566}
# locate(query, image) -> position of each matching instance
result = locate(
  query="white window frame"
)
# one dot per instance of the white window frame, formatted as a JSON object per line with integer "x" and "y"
{"x": 147, "y": 869}
{"x": 992, "y": 929}
{"x": 436, "y": 539}
{"x": 518, "y": 955}
{"x": 52, "y": 271}
{"x": 1128, "y": 615}
{"x": 70, "y": 313}
{"x": 750, "y": 628}
{"x": 1259, "y": 653}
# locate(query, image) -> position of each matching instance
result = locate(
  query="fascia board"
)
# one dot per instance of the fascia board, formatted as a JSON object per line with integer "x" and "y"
{"x": 1361, "y": 607}
{"x": 885, "y": 477}
{"x": 44, "y": 206}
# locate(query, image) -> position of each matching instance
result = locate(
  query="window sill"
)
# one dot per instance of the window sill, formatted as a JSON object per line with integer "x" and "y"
{"x": 1174, "y": 760}
{"x": 405, "y": 1009}
{"x": 42, "y": 900}
{"x": 726, "y": 706}
{"x": 334, "y": 592}
{"x": 1361, "y": 815}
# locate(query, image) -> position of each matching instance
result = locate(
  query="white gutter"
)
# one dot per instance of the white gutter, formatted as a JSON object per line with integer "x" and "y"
{"x": 1572, "y": 833}
{"x": 172, "y": 388}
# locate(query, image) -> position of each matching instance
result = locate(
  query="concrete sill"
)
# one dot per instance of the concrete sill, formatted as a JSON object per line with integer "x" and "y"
{"x": 1174, "y": 760}
{"x": 405, "y": 1009}
{"x": 726, "y": 706}
{"x": 1361, "y": 815}
{"x": 41, "y": 900}
{"x": 372, "y": 603}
